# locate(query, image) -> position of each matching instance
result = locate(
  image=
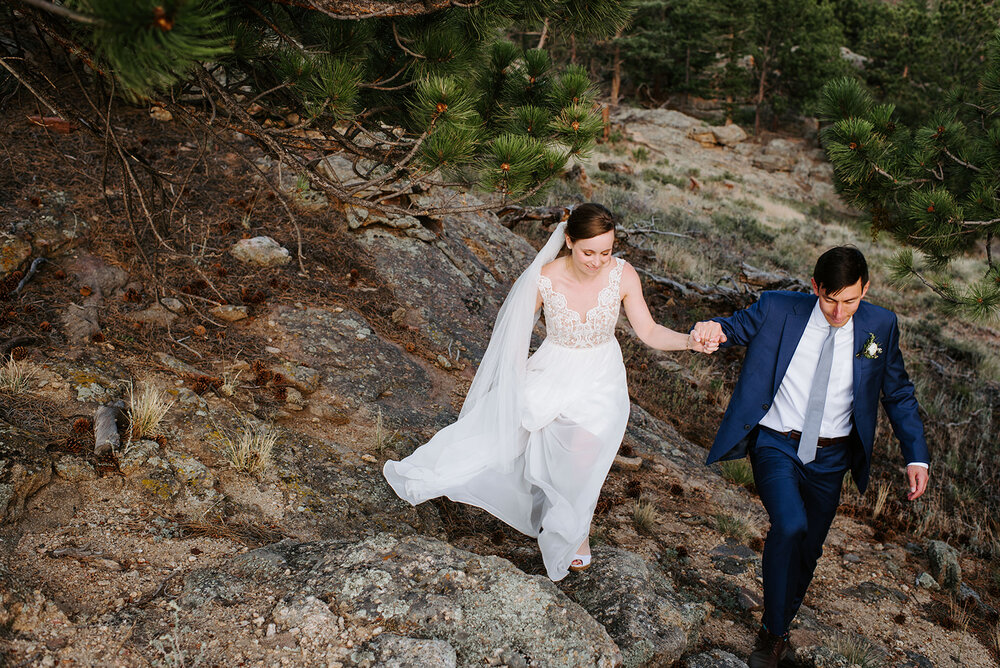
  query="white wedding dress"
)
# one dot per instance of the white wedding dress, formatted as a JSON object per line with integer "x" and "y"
{"x": 573, "y": 409}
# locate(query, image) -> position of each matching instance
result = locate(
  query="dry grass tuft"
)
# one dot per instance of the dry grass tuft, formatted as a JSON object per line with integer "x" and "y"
{"x": 880, "y": 498}
{"x": 249, "y": 451}
{"x": 644, "y": 516}
{"x": 735, "y": 527}
{"x": 858, "y": 651}
{"x": 147, "y": 409}
{"x": 16, "y": 376}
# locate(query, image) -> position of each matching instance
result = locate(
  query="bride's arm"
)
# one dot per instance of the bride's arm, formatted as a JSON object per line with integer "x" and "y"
{"x": 653, "y": 335}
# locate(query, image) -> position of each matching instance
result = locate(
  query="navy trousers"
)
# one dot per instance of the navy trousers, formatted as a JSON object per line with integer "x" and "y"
{"x": 801, "y": 501}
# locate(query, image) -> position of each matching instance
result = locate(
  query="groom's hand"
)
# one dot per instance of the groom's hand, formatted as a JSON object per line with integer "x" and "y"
{"x": 917, "y": 475}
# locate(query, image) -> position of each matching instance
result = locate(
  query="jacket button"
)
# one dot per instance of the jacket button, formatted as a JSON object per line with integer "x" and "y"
{"x": 746, "y": 427}
{"x": 765, "y": 406}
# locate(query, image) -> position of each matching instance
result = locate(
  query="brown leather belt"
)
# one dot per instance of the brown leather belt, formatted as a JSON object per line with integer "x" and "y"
{"x": 820, "y": 443}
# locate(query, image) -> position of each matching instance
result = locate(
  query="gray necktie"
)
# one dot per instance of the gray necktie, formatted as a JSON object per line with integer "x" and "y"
{"x": 817, "y": 401}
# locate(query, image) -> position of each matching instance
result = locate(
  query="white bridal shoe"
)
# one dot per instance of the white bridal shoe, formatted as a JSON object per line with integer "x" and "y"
{"x": 581, "y": 562}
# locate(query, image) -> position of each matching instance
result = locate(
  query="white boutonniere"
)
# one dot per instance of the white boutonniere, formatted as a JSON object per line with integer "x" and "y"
{"x": 871, "y": 348}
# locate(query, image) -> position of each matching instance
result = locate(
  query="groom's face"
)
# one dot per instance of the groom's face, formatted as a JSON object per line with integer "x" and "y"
{"x": 838, "y": 307}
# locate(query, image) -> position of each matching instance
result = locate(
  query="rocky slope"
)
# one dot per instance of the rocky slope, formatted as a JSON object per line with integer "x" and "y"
{"x": 164, "y": 554}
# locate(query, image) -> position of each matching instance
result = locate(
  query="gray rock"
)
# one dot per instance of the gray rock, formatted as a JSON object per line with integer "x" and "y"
{"x": 393, "y": 651}
{"x": 927, "y": 581}
{"x": 855, "y": 60}
{"x": 13, "y": 595}
{"x": 80, "y": 322}
{"x": 54, "y": 228}
{"x": 728, "y": 135}
{"x": 716, "y": 658}
{"x": 482, "y": 606}
{"x": 13, "y": 254}
{"x": 25, "y": 467}
{"x": 135, "y": 459}
{"x": 204, "y": 585}
{"x": 262, "y": 251}
{"x": 870, "y": 592}
{"x": 75, "y": 469}
{"x": 358, "y": 217}
{"x": 634, "y": 602}
{"x": 157, "y": 315}
{"x": 190, "y": 470}
{"x": 945, "y": 566}
{"x": 774, "y": 162}
{"x": 733, "y": 558}
{"x": 175, "y": 364}
{"x": 305, "y": 379}
{"x": 664, "y": 118}
{"x": 464, "y": 276}
{"x": 916, "y": 660}
{"x": 358, "y": 365}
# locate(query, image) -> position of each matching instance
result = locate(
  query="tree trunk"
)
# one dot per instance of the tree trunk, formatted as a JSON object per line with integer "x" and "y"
{"x": 572, "y": 49}
{"x": 762, "y": 85}
{"x": 545, "y": 33}
{"x": 616, "y": 75}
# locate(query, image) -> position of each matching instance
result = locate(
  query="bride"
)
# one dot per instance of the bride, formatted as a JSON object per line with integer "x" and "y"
{"x": 537, "y": 435}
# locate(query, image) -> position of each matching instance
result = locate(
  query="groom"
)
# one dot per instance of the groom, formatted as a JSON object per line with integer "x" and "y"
{"x": 804, "y": 409}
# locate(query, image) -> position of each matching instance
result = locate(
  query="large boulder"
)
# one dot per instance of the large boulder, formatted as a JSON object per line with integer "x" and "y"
{"x": 355, "y": 363}
{"x": 635, "y": 602}
{"x": 452, "y": 286}
{"x": 728, "y": 135}
{"x": 482, "y": 607}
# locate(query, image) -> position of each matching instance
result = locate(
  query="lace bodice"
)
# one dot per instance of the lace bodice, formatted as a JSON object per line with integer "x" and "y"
{"x": 566, "y": 327}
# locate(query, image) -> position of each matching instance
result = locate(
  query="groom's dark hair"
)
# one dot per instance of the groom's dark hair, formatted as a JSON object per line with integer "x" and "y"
{"x": 840, "y": 267}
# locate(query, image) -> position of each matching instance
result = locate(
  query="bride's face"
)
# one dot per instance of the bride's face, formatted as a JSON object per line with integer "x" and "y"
{"x": 590, "y": 256}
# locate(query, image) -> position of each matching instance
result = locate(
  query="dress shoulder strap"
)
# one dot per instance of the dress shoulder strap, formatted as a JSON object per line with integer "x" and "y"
{"x": 616, "y": 274}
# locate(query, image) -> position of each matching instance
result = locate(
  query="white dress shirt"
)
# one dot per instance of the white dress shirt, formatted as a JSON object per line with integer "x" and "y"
{"x": 788, "y": 410}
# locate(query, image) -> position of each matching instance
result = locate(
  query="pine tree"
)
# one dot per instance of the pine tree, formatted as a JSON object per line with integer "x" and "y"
{"x": 935, "y": 189}
{"x": 412, "y": 92}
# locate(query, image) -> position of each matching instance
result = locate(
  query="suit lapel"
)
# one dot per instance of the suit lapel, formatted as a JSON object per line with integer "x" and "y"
{"x": 791, "y": 332}
{"x": 861, "y": 331}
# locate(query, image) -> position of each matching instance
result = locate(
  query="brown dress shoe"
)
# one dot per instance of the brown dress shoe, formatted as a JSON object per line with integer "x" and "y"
{"x": 767, "y": 650}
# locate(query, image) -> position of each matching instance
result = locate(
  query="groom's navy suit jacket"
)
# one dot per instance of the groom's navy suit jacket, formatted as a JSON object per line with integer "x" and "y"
{"x": 770, "y": 329}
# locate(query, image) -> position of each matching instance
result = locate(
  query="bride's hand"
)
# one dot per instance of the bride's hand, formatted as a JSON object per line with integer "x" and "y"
{"x": 698, "y": 344}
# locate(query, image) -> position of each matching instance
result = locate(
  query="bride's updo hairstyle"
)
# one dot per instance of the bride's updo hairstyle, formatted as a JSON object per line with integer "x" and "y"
{"x": 588, "y": 221}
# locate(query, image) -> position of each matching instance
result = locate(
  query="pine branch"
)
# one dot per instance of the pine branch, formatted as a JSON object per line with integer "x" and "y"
{"x": 348, "y": 10}
{"x": 64, "y": 12}
{"x": 961, "y": 162}
{"x": 399, "y": 43}
{"x": 946, "y": 295}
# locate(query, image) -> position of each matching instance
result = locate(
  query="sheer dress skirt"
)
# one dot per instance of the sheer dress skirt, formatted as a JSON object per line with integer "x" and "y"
{"x": 576, "y": 407}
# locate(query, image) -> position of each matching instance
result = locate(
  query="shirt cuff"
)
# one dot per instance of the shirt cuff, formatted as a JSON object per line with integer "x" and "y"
{"x": 926, "y": 466}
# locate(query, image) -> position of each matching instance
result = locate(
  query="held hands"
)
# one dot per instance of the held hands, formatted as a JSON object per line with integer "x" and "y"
{"x": 917, "y": 476}
{"x": 706, "y": 337}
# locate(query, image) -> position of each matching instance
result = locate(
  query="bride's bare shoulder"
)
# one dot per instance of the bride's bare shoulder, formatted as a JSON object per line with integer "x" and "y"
{"x": 554, "y": 269}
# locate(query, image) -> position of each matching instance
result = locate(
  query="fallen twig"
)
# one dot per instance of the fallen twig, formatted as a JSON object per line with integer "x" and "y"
{"x": 31, "y": 272}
